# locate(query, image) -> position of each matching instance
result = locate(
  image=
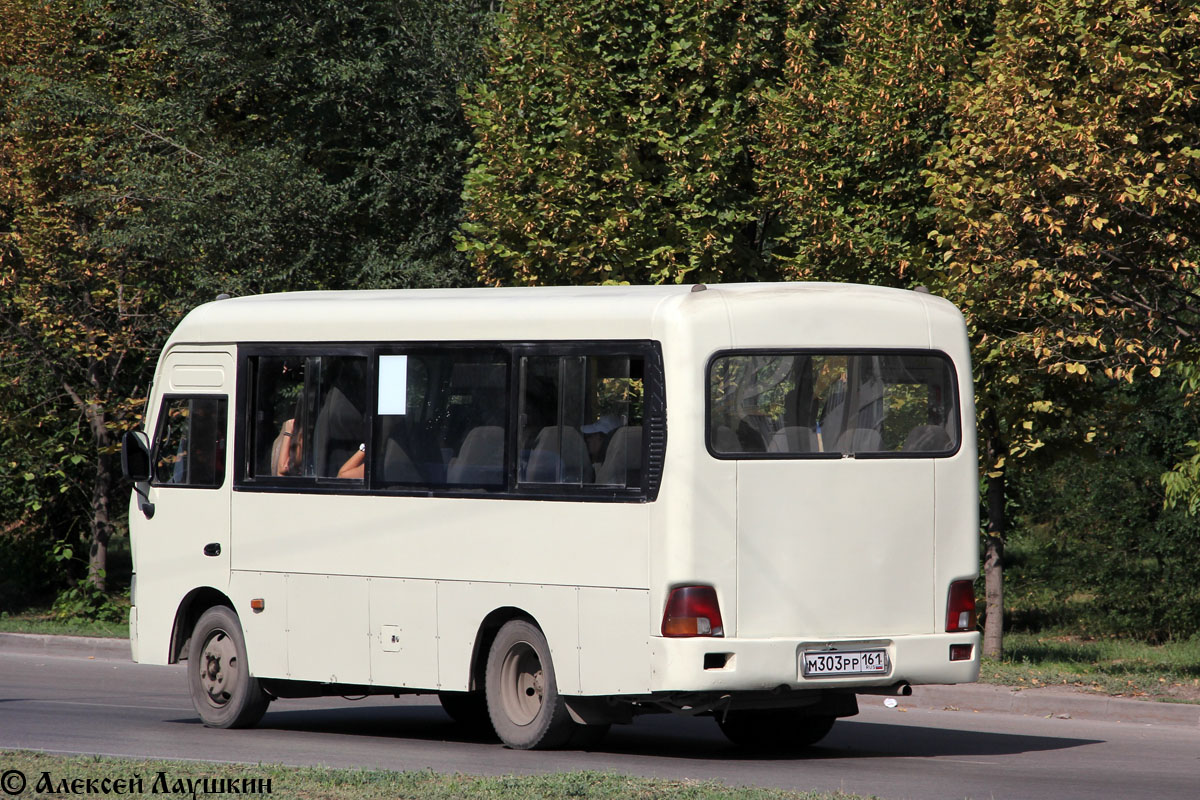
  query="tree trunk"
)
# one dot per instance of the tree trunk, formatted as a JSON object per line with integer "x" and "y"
{"x": 993, "y": 562}
{"x": 101, "y": 522}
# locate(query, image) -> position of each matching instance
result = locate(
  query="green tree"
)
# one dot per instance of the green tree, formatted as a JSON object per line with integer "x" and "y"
{"x": 1181, "y": 483}
{"x": 850, "y": 131}
{"x": 1068, "y": 210}
{"x": 78, "y": 320}
{"x": 316, "y": 145}
{"x": 154, "y": 154}
{"x": 1092, "y": 547}
{"x": 614, "y": 142}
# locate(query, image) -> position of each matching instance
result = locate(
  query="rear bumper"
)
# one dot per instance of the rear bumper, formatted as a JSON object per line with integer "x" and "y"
{"x": 745, "y": 665}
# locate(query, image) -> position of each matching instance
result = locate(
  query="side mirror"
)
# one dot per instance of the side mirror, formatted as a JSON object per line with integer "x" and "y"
{"x": 135, "y": 466}
{"x": 135, "y": 456}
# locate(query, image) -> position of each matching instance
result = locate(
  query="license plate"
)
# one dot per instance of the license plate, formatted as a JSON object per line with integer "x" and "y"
{"x": 845, "y": 662}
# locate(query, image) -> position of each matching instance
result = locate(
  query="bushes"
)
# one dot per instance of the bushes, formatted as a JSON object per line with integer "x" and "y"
{"x": 1092, "y": 546}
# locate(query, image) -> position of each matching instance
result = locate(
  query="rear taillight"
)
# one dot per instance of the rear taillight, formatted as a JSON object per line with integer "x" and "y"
{"x": 960, "y": 607}
{"x": 692, "y": 611}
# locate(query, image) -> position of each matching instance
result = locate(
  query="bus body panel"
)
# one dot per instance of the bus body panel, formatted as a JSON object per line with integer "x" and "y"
{"x": 614, "y": 643}
{"x": 476, "y": 539}
{"x": 696, "y": 512}
{"x": 827, "y": 316}
{"x": 463, "y": 605}
{"x": 403, "y": 633}
{"x": 328, "y": 637}
{"x": 431, "y": 315}
{"x": 266, "y": 630}
{"x": 835, "y": 548}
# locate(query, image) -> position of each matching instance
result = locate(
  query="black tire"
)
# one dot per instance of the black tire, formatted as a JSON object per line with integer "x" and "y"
{"x": 468, "y": 709}
{"x": 774, "y": 729}
{"x": 223, "y": 691}
{"x": 522, "y": 695}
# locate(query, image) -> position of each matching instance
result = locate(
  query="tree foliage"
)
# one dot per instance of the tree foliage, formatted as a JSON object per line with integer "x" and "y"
{"x": 78, "y": 318}
{"x": 1069, "y": 193}
{"x": 1095, "y": 549}
{"x": 1068, "y": 209}
{"x": 314, "y": 145}
{"x": 849, "y": 133}
{"x": 1181, "y": 484}
{"x": 614, "y": 142}
{"x": 153, "y": 154}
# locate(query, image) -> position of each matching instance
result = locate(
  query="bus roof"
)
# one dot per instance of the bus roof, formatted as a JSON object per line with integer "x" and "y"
{"x": 892, "y": 316}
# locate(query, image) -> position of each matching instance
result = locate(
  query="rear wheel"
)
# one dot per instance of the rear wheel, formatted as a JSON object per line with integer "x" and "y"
{"x": 223, "y": 691}
{"x": 774, "y": 728}
{"x": 522, "y": 695}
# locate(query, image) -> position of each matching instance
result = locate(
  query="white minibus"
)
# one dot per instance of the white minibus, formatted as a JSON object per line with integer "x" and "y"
{"x": 560, "y": 508}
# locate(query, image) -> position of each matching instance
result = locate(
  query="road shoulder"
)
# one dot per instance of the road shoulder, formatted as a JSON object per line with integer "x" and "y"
{"x": 1050, "y": 702}
{"x": 66, "y": 646}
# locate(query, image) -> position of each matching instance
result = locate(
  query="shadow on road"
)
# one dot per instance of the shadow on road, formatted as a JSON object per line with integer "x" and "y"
{"x": 675, "y": 737}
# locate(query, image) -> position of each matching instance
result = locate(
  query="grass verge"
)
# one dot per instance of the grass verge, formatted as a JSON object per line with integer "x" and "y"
{"x": 41, "y": 621}
{"x": 1116, "y": 667}
{"x": 22, "y": 771}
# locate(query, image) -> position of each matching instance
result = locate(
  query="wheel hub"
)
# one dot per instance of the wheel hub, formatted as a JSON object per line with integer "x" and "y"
{"x": 524, "y": 687}
{"x": 218, "y": 672}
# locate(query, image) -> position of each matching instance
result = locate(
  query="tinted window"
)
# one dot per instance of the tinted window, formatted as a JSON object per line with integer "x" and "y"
{"x": 797, "y": 404}
{"x": 513, "y": 419}
{"x": 189, "y": 448}
{"x": 441, "y": 419}
{"x": 309, "y": 415}
{"x": 581, "y": 420}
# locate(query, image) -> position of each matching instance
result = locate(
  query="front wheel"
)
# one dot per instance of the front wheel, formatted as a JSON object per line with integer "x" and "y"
{"x": 223, "y": 691}
{"x": 522, "y": 695}
{"x": 774, "y": 729}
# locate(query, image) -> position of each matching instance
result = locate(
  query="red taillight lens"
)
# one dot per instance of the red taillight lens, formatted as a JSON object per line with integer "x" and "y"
{"x": 692, "y": 611}
{"x": 960, "y": 607}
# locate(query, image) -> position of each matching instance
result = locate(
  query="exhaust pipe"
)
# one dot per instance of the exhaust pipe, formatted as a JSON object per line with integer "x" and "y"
{"x": 901, "y": 689}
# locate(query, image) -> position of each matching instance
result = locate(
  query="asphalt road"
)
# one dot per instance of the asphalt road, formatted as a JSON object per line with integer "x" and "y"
{"x": 96, "y": 706}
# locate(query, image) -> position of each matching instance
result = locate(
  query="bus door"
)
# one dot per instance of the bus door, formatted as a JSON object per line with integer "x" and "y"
{"x": 183, "y": 542}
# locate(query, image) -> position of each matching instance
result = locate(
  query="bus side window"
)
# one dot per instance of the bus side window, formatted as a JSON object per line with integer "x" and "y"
{"x": 581, "y": 420}
{"x": 339, "y": 428}
{"x": 441, "y": 419}
{"x": 616, "y": 393}
{"x": 308, "y": 414}
{"x": 189, "y": 448}
{"x": 280, "y": 416}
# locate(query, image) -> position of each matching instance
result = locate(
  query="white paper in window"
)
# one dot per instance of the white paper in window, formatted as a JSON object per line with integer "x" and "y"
{"x": 393, "y": 385}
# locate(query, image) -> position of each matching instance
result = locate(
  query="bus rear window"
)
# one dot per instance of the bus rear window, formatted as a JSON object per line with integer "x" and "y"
{"x": 809, "y": 404}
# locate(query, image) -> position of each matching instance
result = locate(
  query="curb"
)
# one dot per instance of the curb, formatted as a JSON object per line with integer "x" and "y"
{"x": 66, "y": 646}
{"x": 1051, "y": 703}
{"x": 1048, "y": 702}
